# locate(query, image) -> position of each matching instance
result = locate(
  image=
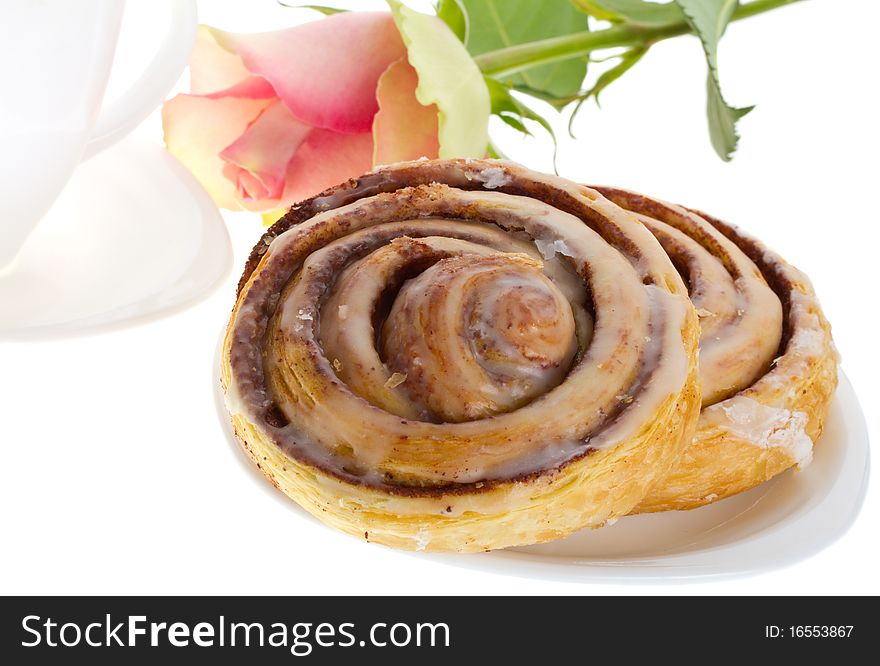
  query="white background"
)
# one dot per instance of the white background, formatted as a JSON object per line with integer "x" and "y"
{"x": 115, "y": 475}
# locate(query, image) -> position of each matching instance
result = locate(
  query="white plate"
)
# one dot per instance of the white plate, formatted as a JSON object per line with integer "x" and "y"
{"x": 133, "y": 236}
{"x": 787, "y": 519}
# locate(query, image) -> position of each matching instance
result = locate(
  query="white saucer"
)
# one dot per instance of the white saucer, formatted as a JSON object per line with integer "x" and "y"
{"x": 133, "y": 236}
{"x": 787, "y": 519}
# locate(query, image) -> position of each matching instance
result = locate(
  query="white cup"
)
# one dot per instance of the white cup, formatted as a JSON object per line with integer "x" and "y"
{"x": 55, "y": 60}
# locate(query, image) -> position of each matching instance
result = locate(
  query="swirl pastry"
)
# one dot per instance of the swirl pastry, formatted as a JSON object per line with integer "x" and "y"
{"x": 462, "y": 355}
{"x": 767, "y": 361}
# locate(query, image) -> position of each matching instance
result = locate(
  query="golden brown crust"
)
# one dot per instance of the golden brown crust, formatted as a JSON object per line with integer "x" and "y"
{"x": 480, "y": 484}
{"x": 586, "y": 493}
{"x": 771, "y": 424}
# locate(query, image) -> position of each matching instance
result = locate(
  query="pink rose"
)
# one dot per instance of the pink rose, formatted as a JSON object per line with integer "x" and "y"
{"x": 278, "y": 116}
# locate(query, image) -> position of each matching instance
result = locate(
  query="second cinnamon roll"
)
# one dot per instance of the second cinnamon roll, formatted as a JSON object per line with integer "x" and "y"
{"x": 767, "y": 360}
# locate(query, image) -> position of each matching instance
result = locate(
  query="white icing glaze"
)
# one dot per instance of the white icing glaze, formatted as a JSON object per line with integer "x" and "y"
{"x": 232, "y": 400}
{"x": 493, "y": 178}
{"x": 670, "y": 362}
{"x": 807, "y": 344}
{"x": 763, "y": 425}
{"x": 740, "y": 315}
{"x": 423, "y": 538}
{"x": 549, "y": 249}
{"x": 541, "y": 455}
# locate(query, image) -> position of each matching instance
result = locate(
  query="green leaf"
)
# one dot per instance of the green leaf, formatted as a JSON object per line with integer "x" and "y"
{"x": 708, "y": 19}
{"x": 505, "y": 104}
{"x": 625, "y": 62}
{"x": 449, "y": 78}
{"x": 496, "y": 24}
{"x": 722, "y": 120}
{"x": 512, "y": 111}
{"x": 515, "y": 123}
{"x": 557, "y": 103}
{"x": 631, "y": 11}
{"x": 453, "y": 14}
{"x": 327, "y": 11}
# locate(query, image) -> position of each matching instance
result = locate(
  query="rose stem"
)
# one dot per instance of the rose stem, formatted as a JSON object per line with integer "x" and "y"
{"x": 513, "y": 59}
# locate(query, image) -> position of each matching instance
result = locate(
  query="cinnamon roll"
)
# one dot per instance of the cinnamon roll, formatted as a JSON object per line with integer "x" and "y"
{"x": 462, "y": 355}
{"x": 767, "y": 361}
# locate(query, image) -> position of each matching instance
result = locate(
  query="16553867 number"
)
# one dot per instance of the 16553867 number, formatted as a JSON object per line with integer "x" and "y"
{"x": 809, "y": 631}
{"x": 820, "y": 631}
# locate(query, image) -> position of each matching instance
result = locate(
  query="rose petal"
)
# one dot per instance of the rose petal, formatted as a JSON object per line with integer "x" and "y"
{"x": 258, "y": 159}
{"x": 324, "y": 159}
{"x": 212, "y": 67}
{"x": 326, "y": 71}
{"x": 449, "y": 78}
{"x": 252, "y": 87}
{"x": 403, "y": 129}
{"x": 198, "y": 128}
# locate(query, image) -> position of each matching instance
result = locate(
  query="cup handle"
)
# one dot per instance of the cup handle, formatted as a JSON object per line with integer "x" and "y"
{"x": 123, "y": 115}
